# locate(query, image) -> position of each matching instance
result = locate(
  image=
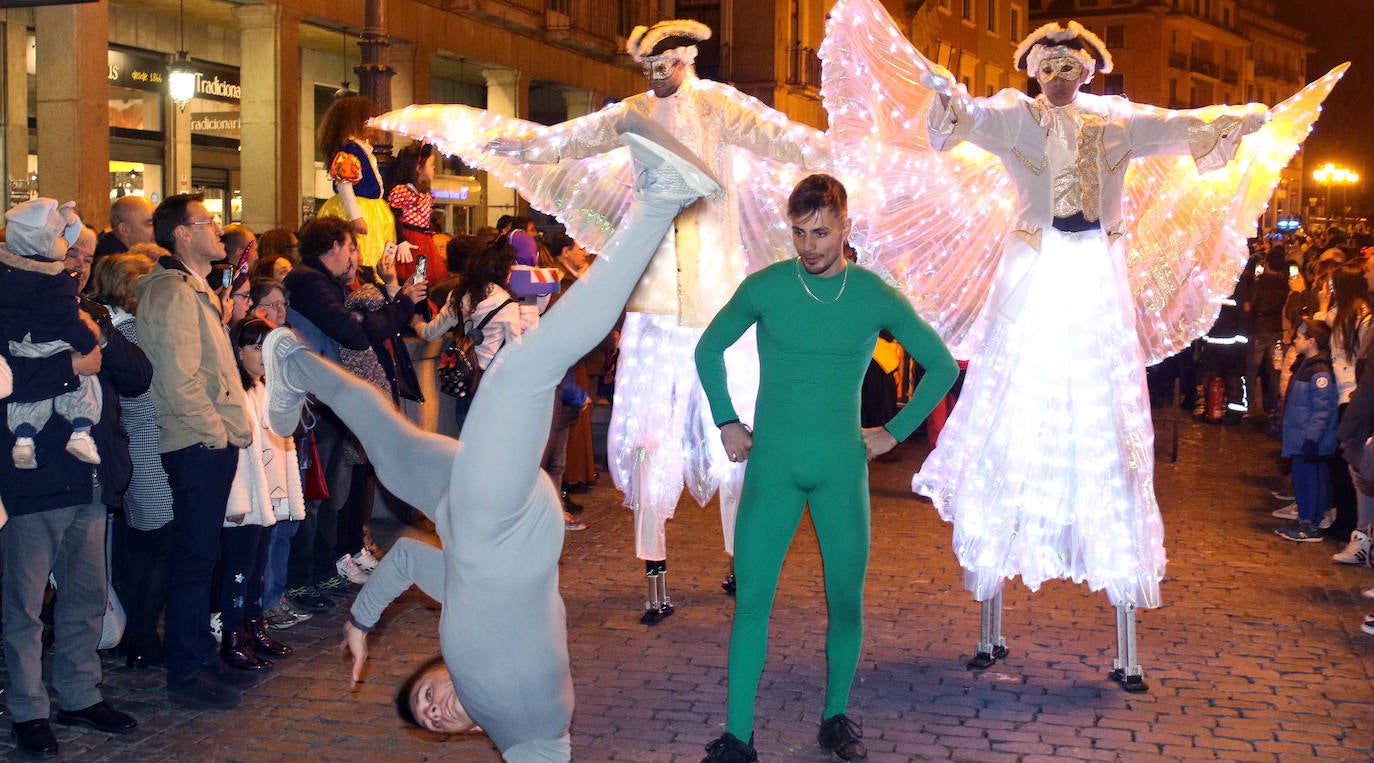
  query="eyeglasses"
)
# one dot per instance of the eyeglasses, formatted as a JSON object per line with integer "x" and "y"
{"x": 240, "y": 295}
{"x": 212, "y": 221}
{"x": 272, "y": 305}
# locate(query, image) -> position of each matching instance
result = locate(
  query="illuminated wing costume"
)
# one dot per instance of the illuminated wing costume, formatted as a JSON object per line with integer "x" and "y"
{"x": 661, "y": 432}
{"x": 1045, "y": 468}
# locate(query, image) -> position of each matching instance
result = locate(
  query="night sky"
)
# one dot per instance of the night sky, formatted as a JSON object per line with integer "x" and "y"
{"x": 1341, "y": 30}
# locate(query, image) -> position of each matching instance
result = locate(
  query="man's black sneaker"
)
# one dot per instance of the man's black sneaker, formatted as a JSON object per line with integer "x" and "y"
{"x": 100, "y": 717}
{"x": 841, "y": 736}
{"x": 310, "y": 599}
{"x": 35, "y": 738}
{"x": 728, "y": 749}
{"x": 336, "y": 587}
{"x": 728, "y": 584}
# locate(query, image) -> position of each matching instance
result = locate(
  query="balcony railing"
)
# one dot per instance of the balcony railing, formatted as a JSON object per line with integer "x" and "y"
{"x": 580, "y": 16}
{"x": 803, "y": 67}
{"x": 1205, "y": 68}
{"x": 1178, "y": 60}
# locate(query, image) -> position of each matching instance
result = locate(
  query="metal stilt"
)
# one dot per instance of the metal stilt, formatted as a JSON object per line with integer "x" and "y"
{"x": 1126, "y": 668}
{"x": 657, "y": 606}
{"x": 991, "y": 645}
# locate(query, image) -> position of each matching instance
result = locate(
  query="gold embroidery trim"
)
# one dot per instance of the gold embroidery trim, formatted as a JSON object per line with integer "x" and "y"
{"x": 1020, "y": 157}
{"x": 1089, "y": 160}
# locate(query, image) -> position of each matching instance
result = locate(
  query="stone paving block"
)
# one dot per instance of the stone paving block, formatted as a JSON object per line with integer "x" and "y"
{"x": 1257, "y": 644}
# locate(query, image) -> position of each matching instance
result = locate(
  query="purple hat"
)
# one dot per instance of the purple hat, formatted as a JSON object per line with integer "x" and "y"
{"x": 526, "y": 251}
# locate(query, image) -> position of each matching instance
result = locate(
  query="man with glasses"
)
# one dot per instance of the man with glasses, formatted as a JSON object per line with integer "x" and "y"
{"x": 202, "y": 422}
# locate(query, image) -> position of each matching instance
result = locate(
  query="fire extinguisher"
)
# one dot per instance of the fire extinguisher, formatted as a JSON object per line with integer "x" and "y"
{"x": 1216, "y": 399}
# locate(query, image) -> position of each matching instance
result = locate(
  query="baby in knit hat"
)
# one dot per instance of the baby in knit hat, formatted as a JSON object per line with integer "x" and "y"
{"x": 41, "y": 316}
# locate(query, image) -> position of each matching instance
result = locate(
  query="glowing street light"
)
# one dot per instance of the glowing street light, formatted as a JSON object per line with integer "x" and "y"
{"x": 1328, "y": 175}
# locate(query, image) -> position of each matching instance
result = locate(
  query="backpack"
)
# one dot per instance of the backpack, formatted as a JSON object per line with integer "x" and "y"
{"x": 459, "y": 371}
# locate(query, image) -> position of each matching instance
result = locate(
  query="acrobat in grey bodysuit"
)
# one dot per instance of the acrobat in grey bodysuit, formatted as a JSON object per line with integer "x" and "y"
{"x": 503, "y": 630}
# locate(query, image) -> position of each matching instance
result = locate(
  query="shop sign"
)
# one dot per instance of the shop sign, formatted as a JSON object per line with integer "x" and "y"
{"x": 136, "y": 71}
{"x": 148, "y": 72}
{"x": 225, "y": 123}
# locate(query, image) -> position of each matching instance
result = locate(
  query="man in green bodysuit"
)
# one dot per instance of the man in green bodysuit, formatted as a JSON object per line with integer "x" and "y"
{"x": 818, "y": 317}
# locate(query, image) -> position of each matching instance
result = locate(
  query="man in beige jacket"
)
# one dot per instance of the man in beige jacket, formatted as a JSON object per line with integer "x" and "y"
{"x": 202, "y": 422}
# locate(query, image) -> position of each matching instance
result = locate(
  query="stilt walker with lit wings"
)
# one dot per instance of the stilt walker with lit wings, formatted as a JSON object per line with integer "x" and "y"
{"x": 661, "y": 434}
{"x": 1059, "y": 243}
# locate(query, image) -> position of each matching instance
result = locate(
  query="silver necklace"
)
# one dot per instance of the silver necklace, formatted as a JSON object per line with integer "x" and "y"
{"x": 843, "y": 283}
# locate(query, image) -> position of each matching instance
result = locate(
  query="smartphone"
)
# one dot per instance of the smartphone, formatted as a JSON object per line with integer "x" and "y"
{"x": 1292, "y": 270}
{"x": 421, "y": 268}
{"x": 228, "y": 279}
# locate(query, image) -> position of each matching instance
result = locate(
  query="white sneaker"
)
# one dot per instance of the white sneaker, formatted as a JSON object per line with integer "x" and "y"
{"x": 1328, "y": 519}
{"x": 1287, "y": 512}
{"x": 283, "y": 400}
{"x": 216, "y": 626}
{"x": 1356, "y": 551}
{"x": 1368, "y": 593}
{"x": 349, "y": 570}
{"x": 23, "y": 454}
{"x": 1368, "y": 626}
{"x": 366, "y": 560}
{"x": 82, "y": 447}
{"x": 662, "y": 163}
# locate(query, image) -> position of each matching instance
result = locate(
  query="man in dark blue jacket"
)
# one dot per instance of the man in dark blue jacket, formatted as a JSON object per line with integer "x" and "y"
{"x": 57, "y": 526}
{"x": 317, "y": 289}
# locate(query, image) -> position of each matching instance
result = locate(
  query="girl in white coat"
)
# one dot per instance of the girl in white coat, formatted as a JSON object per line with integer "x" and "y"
{"x": 267, "y": 479}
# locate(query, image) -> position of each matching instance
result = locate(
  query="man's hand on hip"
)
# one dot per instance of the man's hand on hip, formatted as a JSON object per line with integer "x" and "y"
{"x": 738, "y": 441}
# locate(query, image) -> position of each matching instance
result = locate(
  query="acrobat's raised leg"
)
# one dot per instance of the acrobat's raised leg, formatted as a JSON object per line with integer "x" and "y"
{"x": 1126, "y": 668}
{"x": 991, "y": 646}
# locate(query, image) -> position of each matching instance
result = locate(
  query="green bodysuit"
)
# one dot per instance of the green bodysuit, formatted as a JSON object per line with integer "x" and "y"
{"x": 807, "y": 449}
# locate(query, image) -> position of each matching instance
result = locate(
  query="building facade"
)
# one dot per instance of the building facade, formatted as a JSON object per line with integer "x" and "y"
{"x": 94, "y": 121}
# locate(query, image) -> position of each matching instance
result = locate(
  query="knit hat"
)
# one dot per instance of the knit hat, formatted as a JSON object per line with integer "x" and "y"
{"x": 526, "y": 251}
{"x": 33, "y": 228}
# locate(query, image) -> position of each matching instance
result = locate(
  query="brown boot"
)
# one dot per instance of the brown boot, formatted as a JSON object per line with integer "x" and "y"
{"x": 265, "y": 644}
{"x": 236, "y": 649}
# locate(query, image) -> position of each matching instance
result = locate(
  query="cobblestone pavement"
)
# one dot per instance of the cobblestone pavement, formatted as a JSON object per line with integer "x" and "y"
{"x": 1257, "y": 654}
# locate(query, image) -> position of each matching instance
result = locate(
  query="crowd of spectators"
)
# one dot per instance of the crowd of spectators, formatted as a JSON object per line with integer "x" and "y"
{"x": 1299, "y": 357}
{"x": 222, "y": 535}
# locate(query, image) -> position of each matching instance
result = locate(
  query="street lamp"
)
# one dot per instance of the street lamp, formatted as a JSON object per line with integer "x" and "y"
{"x": 1329, "y": 174}
{"x": 181, "y": 75}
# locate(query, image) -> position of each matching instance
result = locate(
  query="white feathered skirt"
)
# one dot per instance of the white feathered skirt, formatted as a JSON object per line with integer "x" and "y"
{"x": 1045, "y": 468}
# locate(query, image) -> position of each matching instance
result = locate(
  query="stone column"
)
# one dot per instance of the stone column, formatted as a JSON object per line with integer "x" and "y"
{"x": 505, "y": 96}
{"x": 16, "y": 127}
{"x": 414, "y": 67}
{"x": 74, "y": 106}
{"x": 270, "y": 117}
